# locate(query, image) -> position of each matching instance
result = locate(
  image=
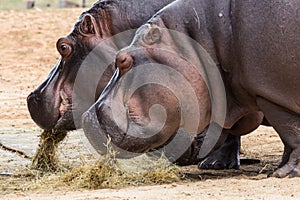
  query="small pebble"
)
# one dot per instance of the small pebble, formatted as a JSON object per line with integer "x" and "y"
{"x": 6, "y": 173}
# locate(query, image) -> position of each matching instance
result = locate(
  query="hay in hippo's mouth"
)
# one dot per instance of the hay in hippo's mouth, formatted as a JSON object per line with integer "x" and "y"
{"x": 45, "y": 157}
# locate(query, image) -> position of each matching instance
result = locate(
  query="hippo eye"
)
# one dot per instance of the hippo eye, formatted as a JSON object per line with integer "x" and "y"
{"x": 63, "y": 47}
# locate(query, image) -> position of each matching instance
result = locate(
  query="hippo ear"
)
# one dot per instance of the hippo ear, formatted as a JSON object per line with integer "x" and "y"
{"x": 153, "y": 36}
{"x": 88, "y": 26}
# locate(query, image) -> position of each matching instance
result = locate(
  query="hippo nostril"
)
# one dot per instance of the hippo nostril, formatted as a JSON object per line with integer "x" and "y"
{"x": 124, "y": 61}
{"x": 33, "y": 97}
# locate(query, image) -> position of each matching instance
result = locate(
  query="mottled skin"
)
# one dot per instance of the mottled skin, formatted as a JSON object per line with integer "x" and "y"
{"x": 256, "y": 46}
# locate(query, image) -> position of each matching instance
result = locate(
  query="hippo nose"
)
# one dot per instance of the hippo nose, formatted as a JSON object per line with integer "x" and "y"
{"x": 33, "y": 97}
{"x": 124, "y": 62}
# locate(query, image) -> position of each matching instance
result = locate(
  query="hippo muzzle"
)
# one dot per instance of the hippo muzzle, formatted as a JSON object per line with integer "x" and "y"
{"x": 128, "y": 137}
{"x": 41, "y": 101}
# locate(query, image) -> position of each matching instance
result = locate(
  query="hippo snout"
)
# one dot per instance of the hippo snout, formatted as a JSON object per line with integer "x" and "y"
{"x": 97, "y": 138}
{"x": 35, "y": 107}
{"x": 33, "y": 97}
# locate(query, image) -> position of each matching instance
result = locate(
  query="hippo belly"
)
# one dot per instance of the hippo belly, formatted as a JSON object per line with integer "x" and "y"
{"x": 268, "y": 48}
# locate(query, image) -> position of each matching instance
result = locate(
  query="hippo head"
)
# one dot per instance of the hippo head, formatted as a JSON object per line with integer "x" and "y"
{"x": 81, "y": 72}
{"x": 157, "y": 97}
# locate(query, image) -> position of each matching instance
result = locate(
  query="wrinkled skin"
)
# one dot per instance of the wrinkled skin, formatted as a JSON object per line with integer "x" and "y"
{"x": 256, "y": 47}
{"x": 55, "y": 104}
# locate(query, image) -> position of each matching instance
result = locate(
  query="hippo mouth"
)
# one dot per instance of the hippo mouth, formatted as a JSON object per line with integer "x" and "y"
{"x": 65, "y": 116}
{"x": 65, "y": 104}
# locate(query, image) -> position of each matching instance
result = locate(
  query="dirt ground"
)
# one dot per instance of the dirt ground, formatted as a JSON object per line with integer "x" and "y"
{"x": 27, "y": 49}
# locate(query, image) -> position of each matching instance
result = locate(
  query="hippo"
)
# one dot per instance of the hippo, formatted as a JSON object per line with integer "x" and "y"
{"x": 55, "y": 104}
{"x": 241, "y": 60}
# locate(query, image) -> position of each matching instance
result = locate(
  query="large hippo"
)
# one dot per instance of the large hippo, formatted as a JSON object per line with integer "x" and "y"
{"x": 254, "y": 45}
{"x": 55, "y": 104}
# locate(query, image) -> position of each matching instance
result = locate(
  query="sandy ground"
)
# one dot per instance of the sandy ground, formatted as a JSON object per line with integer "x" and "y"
{"x": 27, "y": 49}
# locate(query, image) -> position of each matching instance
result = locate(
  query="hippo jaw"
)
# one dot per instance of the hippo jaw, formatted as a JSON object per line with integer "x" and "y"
{"x": 51, "y": 105}
{"x": 65, "y": 95}
{"x": 139, "y": 122}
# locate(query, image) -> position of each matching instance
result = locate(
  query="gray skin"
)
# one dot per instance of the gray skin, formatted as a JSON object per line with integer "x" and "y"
{"x": 256, "y": 46}
{"x": 55, "y": 104}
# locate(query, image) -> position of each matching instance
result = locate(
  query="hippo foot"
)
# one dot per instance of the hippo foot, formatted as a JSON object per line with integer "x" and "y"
{"x": 287, "y": 170}
{"x": 287, "y": 125}
{"x": 291, "y": 169}
{"x": 226, "y": 157}
{"x": 290, "y": 165}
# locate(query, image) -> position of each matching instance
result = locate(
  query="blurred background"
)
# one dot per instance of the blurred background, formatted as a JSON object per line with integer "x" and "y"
{"x": 42, "y": 4}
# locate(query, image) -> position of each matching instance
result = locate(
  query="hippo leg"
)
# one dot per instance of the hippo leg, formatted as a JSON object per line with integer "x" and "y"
{"x": 286, "y": 154}
{"x": 226, "y": 157}
{"x": 287, "y": 125}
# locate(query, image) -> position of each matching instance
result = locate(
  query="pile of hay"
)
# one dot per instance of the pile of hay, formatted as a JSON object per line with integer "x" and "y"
{"x": 45, "y": 158}
{"x": 107, "y": 172}
{"x": 111, "y": 173}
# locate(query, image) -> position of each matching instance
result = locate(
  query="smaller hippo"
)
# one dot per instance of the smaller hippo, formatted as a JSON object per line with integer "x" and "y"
{"x": 236, "y": 66}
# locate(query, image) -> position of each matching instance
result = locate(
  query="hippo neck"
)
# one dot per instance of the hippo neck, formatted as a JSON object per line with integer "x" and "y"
{"x": 136, "y": 13}
{"x": 220, "y": 29}
{"x": 208, "y": 24}
{"x": 116, "y": 16}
